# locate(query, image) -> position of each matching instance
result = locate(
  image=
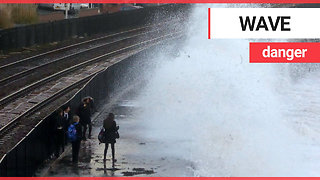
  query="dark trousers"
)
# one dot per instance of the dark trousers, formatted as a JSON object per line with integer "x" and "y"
{"x": 85, "y": 129}
{"x": 59, "y": 141}
{"x": 75, "y": 150}
{"x": 66, "y": 138}
{"x": 106, "y": 149}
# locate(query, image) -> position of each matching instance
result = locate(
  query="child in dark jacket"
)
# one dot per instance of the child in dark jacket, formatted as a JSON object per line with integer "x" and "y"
{"x": 59, "y": 132}
{"x": 111, "y": 134}
{"x": 84, "y": 112}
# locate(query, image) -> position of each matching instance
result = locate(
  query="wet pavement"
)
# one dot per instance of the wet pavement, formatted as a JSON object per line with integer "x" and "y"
{"x": 136, "y": 155}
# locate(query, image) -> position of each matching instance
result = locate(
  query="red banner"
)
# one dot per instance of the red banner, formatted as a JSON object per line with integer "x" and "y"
{"x": 284, "y": 52}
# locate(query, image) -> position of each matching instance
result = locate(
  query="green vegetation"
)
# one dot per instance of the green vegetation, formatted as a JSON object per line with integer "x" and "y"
{"x": 5, "y": 19}
{"x": 11, "y": 14}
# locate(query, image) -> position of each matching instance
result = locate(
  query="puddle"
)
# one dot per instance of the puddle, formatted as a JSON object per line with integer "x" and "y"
{"x": 138, "y": 171}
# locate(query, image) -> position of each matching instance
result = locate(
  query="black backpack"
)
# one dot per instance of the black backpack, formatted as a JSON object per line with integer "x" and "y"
{"x": 102, "y": 136}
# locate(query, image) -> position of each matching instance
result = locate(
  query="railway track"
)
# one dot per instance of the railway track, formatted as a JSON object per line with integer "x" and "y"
{"x": 17, "y": 77}
{"x": 34, "y": 97}
{"x": 80, "y": 45}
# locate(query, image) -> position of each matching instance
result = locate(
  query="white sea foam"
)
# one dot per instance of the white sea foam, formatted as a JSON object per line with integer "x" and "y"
{"x": 230, "y": 117}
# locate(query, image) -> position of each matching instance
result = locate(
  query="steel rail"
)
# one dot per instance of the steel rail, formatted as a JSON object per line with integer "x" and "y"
{"x": 37, "y": 84}
{"x": 78, "y": 44}
{"x": 13, "y": 122}
{"x": 53, "y": 97}
{"x": 61, "y": 59}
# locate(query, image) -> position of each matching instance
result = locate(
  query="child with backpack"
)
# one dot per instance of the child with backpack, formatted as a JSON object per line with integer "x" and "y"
{"x": 75, "y": 136}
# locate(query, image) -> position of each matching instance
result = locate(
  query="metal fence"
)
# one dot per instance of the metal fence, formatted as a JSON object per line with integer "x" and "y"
{"x": 85, "y": 26}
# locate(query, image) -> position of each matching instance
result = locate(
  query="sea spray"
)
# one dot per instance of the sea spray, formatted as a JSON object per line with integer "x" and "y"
{"x": 211, "y": 106}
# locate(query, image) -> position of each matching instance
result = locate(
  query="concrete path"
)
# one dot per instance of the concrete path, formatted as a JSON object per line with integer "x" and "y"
{"x": 135, "y": 155}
